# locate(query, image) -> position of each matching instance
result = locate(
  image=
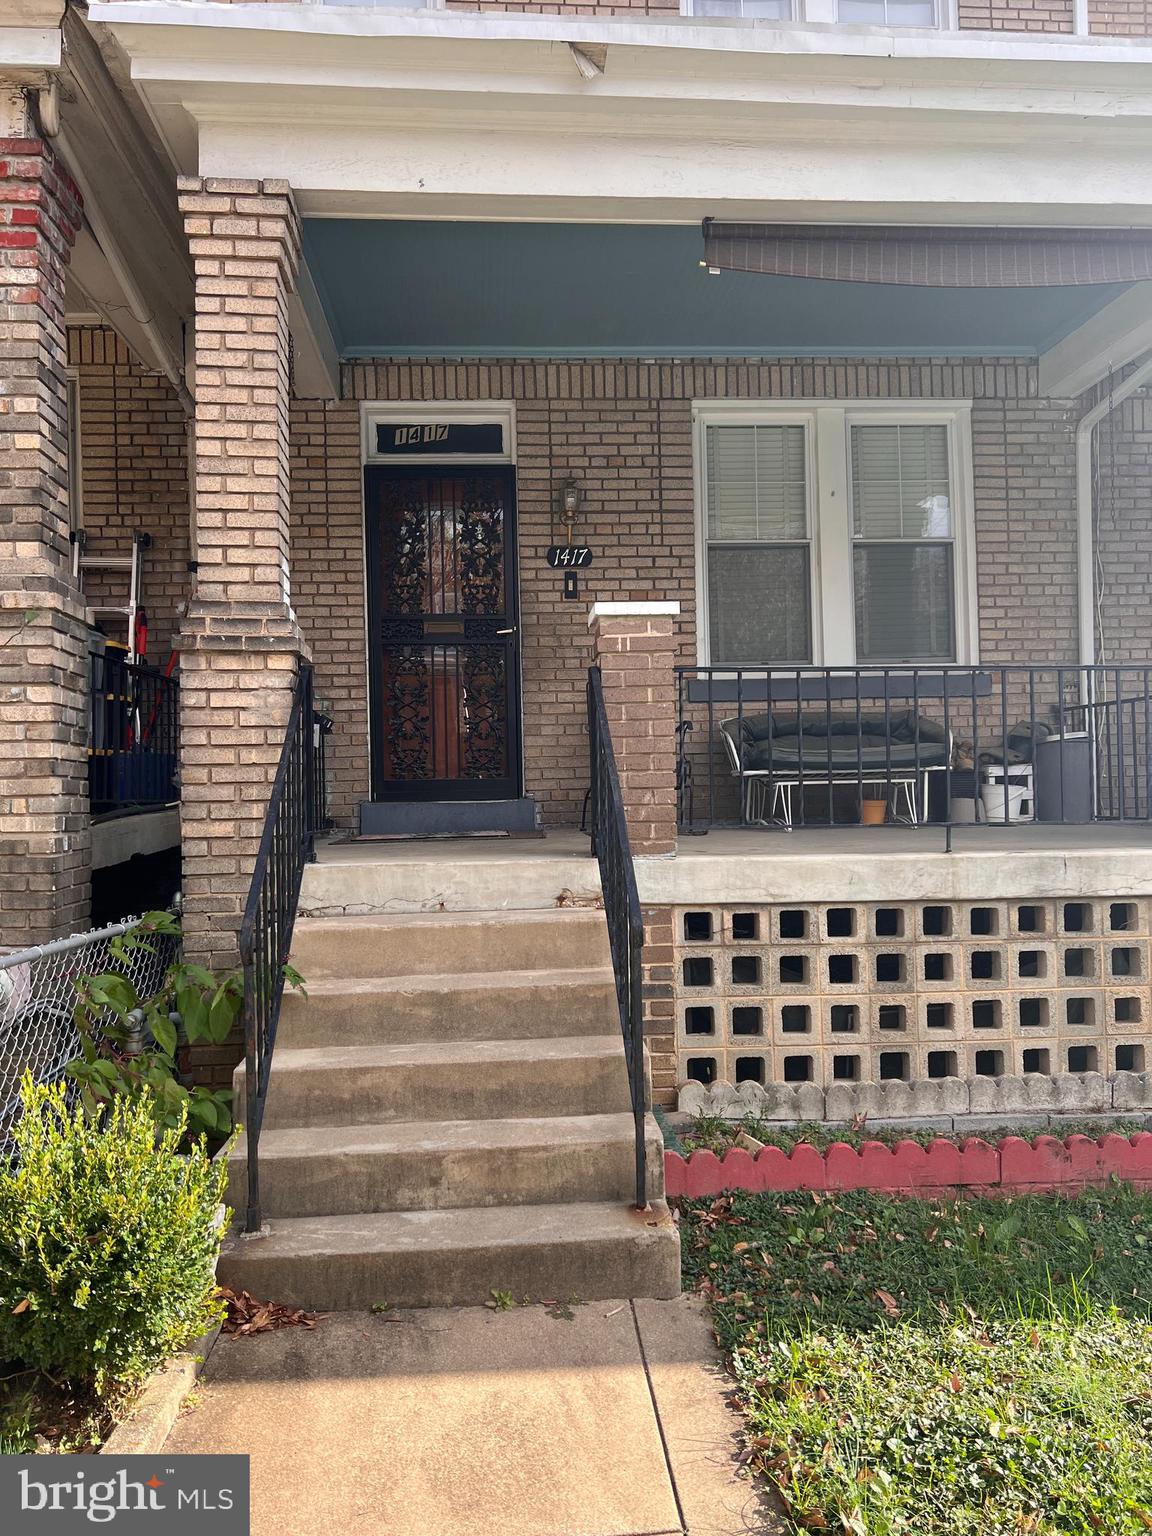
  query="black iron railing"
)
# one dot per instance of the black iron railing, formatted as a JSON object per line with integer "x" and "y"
{"x": 914, "y": 745}
{"x": 133, "y": 734}
{"x": 621, "y": 908}
{"x": 287, "y": 844}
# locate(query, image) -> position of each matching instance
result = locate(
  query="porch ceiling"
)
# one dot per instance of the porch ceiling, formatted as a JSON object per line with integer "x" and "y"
{"x": 517, "y": 289}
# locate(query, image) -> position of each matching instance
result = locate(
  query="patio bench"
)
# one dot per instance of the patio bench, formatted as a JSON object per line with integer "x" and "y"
{"x": 777, "y": 753}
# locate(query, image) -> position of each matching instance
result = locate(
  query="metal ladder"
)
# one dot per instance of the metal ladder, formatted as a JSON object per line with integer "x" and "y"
{"x": 132, "y": 563}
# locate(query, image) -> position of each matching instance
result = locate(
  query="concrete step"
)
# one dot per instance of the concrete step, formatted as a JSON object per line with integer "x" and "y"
{"x": 426, "y": 944}
{"x": 433, "y": 943}
{"x": 487, "y": 1005}
{"x": 419, "y": 1166}
{"x": 457, "y": 1257}
{"x": 459, "y": 1080}
{"x": 477, "y": 875}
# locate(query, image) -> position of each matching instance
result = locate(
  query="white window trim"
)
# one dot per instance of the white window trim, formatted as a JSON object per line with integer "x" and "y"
{"x": 830, "y": 512}
{"x": 824, "y": 13}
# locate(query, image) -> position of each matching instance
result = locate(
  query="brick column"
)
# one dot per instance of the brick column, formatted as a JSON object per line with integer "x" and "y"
{"x": 44, "y": 821}
{"x": 634, "y": 645}
{"x": 240, "y": 644}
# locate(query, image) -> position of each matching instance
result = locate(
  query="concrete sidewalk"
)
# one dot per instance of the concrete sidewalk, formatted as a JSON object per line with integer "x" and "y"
{"x": 470, "y": 1422}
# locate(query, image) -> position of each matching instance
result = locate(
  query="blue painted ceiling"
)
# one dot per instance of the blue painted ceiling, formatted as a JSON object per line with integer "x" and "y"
{"x": 424, "y": 289}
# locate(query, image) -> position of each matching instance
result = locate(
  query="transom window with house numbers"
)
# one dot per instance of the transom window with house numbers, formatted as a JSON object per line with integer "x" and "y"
{"x": 834, "y": 534}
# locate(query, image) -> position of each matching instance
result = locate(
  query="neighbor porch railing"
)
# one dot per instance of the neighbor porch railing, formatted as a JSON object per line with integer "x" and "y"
{"x": 918, "y": 746}
{"x": 287, "y": 844}
{"x": 133, "y": 734}
{"x": 621, "y": 908}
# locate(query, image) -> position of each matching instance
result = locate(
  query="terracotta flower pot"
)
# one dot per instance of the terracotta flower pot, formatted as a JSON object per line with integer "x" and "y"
{"x": 873, "y": 813}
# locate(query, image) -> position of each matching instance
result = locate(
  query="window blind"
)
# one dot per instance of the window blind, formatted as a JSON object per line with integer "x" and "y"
{"x": 756, "y": 483}
{"x": 900, "y": 482}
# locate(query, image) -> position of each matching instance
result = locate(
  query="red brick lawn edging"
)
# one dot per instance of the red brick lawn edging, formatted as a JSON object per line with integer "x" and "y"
{"x": 1013, "y": 1165}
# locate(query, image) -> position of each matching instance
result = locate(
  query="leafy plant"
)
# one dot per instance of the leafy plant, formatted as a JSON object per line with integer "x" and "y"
{"x": 109, "y": 1235}
{"x": 130, "y": 1044}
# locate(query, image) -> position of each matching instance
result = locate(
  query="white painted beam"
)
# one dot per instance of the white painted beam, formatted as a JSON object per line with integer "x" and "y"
{"x": 362, "y": 168}
{"x": 1113, "y": 336}
{"x": 29, "y": 53}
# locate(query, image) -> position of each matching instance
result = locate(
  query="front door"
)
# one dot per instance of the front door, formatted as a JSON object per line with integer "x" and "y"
{"x": 443, "y": 652}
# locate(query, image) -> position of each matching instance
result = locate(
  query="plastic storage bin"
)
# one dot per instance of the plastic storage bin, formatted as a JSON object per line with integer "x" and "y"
{"x": 1064, "y": 778}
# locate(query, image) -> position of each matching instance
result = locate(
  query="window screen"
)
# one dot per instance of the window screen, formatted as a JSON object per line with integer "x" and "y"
{"x": 903, "y": 564}
{"x": 890, "y": 13}
{"x": 759, "y": 577}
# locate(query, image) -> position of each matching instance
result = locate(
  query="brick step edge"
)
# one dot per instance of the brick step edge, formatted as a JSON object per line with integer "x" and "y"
{"x": 1013, "y": 1165}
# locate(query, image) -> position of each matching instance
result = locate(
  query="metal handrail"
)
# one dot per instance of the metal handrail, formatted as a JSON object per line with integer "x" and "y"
{"x": 286, "y": 845}
{"x": 610, "y": 847}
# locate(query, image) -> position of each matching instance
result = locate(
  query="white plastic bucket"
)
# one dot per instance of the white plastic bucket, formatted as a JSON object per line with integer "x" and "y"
{"x": 1017, "y": 786}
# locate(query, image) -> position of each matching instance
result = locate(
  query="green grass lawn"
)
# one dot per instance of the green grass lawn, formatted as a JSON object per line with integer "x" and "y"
{"x": 977, "y": 1367}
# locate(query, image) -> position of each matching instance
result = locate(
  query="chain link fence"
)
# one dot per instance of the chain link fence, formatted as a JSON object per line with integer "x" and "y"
{"x": 38, "y": 1032}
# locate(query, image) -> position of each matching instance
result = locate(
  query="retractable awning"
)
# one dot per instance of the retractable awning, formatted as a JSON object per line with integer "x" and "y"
{"x": 932, "y": 258}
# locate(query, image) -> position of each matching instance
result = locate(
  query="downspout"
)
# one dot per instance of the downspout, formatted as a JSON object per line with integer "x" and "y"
{"x": 1085, "y": 521}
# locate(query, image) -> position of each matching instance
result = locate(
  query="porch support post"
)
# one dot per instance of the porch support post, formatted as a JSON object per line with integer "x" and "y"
{"x": 240, "y": 644}
{"x": 45, "y": 840}
{"x": 634, "y": 645}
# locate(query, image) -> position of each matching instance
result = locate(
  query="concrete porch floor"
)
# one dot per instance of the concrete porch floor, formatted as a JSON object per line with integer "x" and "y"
{"x": 470, "y": 1422}
{"x": 737, "y": 864}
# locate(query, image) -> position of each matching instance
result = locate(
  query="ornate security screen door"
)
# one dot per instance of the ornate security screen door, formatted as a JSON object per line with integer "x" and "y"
{"x": 443, "y": 633}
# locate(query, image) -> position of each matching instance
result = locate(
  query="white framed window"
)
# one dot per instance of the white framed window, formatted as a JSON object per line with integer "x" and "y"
{"x": 752, "y": 10}
{"x": 834, "y": 533}
{"x": 888, "y": 13}
{"x": 860, "y": 13}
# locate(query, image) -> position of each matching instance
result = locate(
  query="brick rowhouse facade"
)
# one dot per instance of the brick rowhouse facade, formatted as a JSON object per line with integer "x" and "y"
{"x": 44, "y": 836}
{"x": 623, "y": 429}
{"x": 240, "y": 642}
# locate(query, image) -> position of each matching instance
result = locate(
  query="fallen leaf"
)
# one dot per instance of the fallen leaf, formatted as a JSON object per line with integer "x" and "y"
{"x": 21, "y": 1306}
{"x": 245, "y": 1316}
{"x": 889, "y": 1303}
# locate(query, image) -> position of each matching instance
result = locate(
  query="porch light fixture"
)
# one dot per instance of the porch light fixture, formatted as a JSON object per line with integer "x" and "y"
{"x": 569, "y": 498}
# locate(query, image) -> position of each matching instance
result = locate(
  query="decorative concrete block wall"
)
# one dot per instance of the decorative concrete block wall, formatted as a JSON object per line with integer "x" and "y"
{"x": 837, "y": 995}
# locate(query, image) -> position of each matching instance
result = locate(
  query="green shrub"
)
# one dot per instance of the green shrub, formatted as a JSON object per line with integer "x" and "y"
{"x": 108, "y": 1240}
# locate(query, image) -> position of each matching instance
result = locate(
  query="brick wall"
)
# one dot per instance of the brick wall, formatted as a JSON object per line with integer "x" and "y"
{"x": 1015, "y": 15}
{"x": 134, "y": 478}
{"x": 240, "y": 643}
{"x": 327, "y": 544}
{"x": 44, "y": 830}
{"x": 1124, "y": 532}
{"x": 1120, "y": 18}
{"x": 624, "y": 431}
